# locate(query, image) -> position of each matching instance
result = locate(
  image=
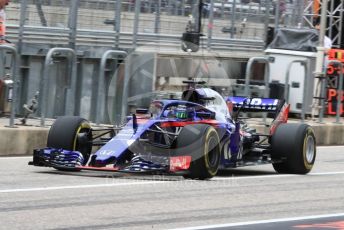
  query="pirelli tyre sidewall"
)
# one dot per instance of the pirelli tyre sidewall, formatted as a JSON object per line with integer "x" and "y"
{"x": 295, "y": 145}
{"x": 71, "y": 133}
{"x": 201, "y": 141}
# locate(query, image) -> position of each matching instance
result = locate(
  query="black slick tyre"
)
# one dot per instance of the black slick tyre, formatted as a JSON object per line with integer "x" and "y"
{"x": 71, "y": 133}
{"x": 293, "y": 148}
{"x": 201, "y": 141}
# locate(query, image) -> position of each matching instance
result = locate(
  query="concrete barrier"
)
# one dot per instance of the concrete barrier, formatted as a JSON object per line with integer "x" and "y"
{"x": 22, "y": 140}
{"x": 329, "y": 134}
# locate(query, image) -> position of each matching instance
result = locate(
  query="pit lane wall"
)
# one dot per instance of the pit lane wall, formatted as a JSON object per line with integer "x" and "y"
{"x": 23, "y": 139}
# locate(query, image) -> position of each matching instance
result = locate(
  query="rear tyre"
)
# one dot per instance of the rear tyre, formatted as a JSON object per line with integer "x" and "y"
{"x": 280, "y": 167}
{"x": 295, "y": 145}
{"x": 202, "y": 143}
{"x": 71, "y": 133}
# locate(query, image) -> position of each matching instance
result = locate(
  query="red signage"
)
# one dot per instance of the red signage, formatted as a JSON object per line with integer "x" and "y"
{"x": 333, "y": 73}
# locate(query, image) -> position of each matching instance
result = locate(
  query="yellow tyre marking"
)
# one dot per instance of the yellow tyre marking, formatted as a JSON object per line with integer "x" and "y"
{"x": 206, "y": 149}
{"x": 83, "y": 125}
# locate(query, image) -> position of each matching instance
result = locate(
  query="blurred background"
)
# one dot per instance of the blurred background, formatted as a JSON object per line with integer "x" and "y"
{"x": 150, "y": 31}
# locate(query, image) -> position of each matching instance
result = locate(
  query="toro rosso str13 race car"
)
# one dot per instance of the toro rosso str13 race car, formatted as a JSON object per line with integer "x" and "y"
{"x": 194, "y": 137}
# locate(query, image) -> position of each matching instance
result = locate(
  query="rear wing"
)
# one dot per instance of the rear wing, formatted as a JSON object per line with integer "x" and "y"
{"x": 246, "y": 104}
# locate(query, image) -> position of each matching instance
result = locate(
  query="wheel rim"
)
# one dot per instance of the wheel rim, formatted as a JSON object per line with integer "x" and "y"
{"x": 212, "y": 154}
{"x": 310, "y": 149}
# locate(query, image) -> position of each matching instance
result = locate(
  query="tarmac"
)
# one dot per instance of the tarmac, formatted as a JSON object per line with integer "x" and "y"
{"x": 23, "y": 139}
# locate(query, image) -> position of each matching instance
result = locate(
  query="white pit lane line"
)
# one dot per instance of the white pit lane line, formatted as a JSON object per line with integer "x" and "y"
{"x": 261, "y": 222}
{"x": 18, "y": 157}
{"x": 80, "y": 186}
{"x": 278, "y": 176}
{"x": 330, "y": 146}
{"x": 158, "y": 182}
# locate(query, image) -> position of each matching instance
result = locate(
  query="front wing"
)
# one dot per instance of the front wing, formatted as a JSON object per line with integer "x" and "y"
{"x": 74, "y": 161}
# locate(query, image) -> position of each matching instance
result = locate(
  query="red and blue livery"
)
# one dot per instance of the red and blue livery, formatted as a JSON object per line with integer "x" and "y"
{"x": 195, "y": 136}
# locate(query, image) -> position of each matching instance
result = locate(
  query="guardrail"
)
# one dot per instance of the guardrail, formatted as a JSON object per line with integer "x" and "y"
{"x": 60, "y": 36}
{"x": 71, "y": 93}
{"x": 304, "y": 63}
{"x": 101, "y": 85}
{"x": 266, "y": 77}
{"x": 249, "y": 73}
{"x": 15, "y": 72}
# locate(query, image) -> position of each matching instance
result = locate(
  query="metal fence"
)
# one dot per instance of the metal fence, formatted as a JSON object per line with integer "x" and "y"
{"x": 303, "y": 13}
{"x": 239, "y": 19}
{"x": 91, "y": 27}
{"x": 159, "y": 17}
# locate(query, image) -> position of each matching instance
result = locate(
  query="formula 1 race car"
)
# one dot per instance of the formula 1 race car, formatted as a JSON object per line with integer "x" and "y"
{"x": 193, "y": 137}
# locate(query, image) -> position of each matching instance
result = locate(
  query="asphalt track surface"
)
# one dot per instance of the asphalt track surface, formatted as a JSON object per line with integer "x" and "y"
{"x": 246, "y": 198}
